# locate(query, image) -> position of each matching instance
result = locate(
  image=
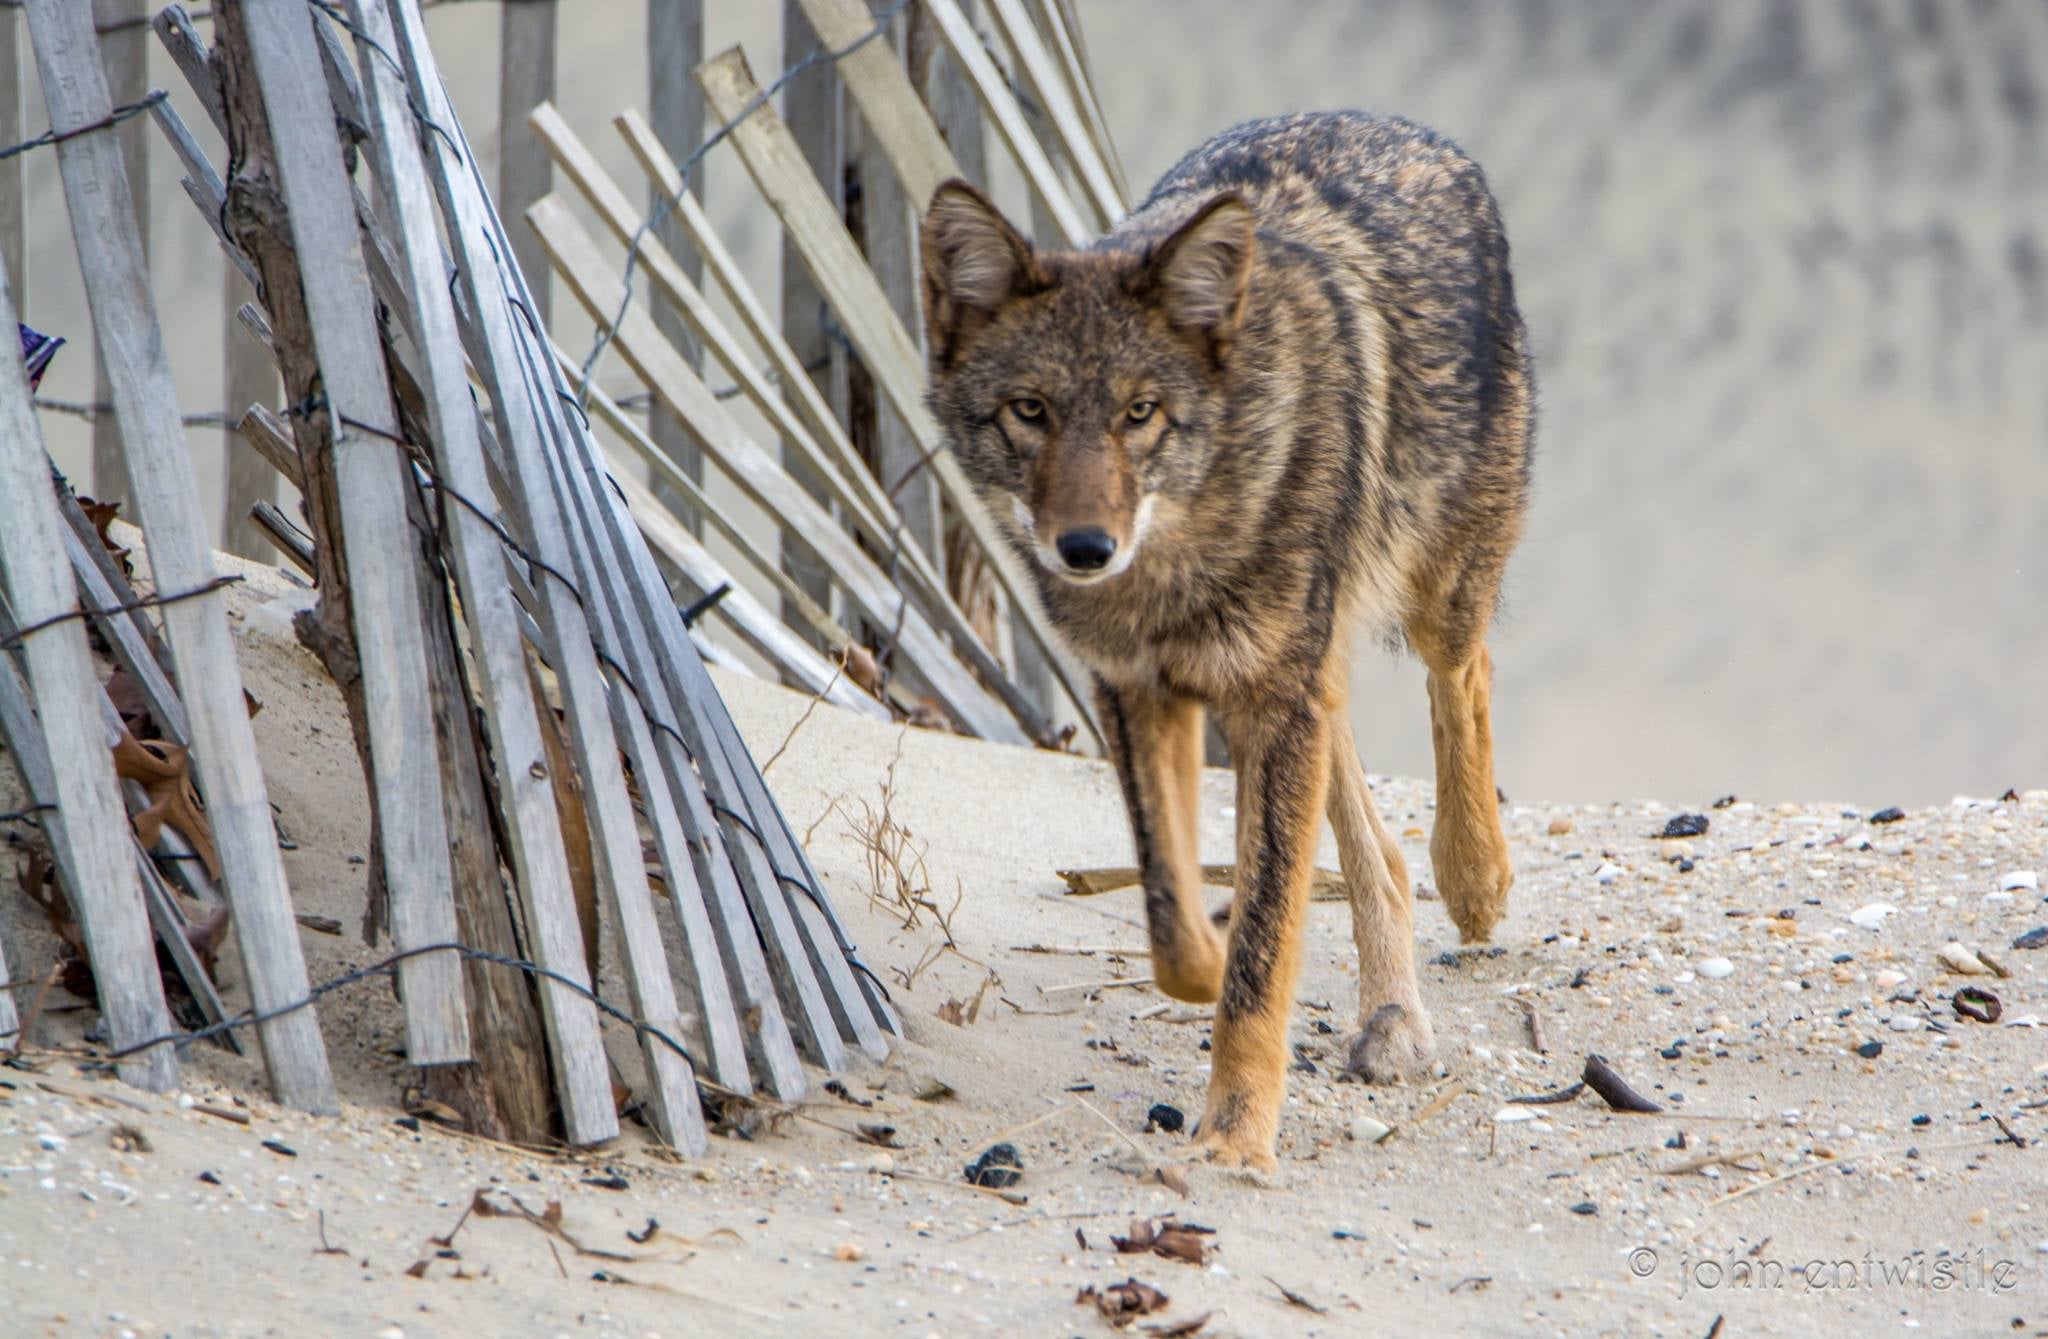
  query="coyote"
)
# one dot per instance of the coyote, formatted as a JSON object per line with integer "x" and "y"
{"x": 1289, "y": 396}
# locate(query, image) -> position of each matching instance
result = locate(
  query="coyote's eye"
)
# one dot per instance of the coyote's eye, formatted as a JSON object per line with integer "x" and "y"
{"x": 1029, "y": 409}
{"x": 1141, "y": 411}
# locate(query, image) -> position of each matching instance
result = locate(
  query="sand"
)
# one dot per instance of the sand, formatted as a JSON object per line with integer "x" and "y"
{"x": 1463, "y": 1221}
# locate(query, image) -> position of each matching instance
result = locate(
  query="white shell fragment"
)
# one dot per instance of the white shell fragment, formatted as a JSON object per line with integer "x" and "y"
{"x": 1714, "y": 968}
{"x": 1961, "y": 961}
{"x": 1871, "y": 915}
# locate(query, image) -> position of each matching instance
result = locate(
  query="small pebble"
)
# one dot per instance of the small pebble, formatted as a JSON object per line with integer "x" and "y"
{"x": 1961, "y": 961}
{"x": 2034, "y": 938}
{"x": 1889, "y": 979}
{"x": 1904, "y": 1023}
{"x": 1685, "y": 825}
{"x": 2019, "y": 879}
{"x": 1165, "y": 1116}
{"x": 1585, "y": 1208}
{"x": 1891, "y": 815}
{"x": 1871, "y": 915}
{"x": 1367, "y": 1130}
{"x": 1870, "y": 1050}
{"x": 1714, "y": 968}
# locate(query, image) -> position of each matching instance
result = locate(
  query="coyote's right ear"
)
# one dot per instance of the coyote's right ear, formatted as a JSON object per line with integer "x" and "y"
{"x": 974, "y": 262}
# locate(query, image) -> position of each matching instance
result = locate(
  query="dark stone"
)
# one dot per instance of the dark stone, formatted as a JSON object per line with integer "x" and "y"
{"x": 611, "y": 1182}
{"x": 998, "y": 1169}
{"x": 2034, "y": 938}
{"x": 1165, "y": 1116}
{"x": 1890, "y": 815}
{"x": 1870, "y": 1050}
{"x": 1923, "y": 1120}
{"x": 1724, "y": 802}
{"x": 1585, "y": 1208}
{"x": 1685, "y": 825}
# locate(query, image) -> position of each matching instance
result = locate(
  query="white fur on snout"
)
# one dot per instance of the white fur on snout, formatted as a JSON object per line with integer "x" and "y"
{"x": 1126, "y": 552}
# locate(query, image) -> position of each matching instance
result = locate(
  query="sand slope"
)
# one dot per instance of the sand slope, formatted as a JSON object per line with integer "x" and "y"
{"x": 211, "y": 1233}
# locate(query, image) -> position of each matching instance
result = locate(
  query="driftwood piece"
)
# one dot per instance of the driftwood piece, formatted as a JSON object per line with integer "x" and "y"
{"x": 103, "y": 222}
{"x": 1325, "y": 885}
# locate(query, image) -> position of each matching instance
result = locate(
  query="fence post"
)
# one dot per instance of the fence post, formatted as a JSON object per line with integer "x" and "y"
{"x": 247, "y": 378}
{"x": 125, "y": 53}
{"x": 675, "y": 46}
{"x": 526, "y": 78}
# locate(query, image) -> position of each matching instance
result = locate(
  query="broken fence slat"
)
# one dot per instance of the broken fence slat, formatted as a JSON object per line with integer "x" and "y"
{"x": 167, "y": 501}
{"x": 372, "y": 474}
{"x": 1060, "y": 109}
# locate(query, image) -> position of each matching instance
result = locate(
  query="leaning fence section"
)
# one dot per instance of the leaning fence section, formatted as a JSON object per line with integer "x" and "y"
{"x": 508, "y": 535}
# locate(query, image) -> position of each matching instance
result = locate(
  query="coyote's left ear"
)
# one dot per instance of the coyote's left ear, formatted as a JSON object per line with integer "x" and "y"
{"x": 973, "y": 263}
{"x": 1200, "y": 275}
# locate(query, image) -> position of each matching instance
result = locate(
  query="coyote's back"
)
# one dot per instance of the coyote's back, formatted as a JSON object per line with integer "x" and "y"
{"x": 1288, "y": 395}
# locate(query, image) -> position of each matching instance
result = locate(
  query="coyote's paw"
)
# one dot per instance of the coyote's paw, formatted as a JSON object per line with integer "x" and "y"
{"x": 1238, "y": 1150}
{"x": 1395, "y": 1043}
{"x": 1473, "y": 877}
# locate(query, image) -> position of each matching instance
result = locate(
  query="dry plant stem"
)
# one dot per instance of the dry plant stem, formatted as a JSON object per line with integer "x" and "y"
{"x": 1815, "y": 1166}
{"x": 35, "y": 1010}
{"x": 1109, "y": 984}
{"x": 1007, "y": 1196}
{"x": 838, "y": 669}
{"x": 1005, "y": 1136}
{"x": 1536, "y": 1041}
{"x": 1143, "y": 1153}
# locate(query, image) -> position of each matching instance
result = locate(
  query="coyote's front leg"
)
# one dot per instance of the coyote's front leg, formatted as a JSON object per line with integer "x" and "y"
{"x": 1156, "y": 742}
{"x": 1281, "y": 749}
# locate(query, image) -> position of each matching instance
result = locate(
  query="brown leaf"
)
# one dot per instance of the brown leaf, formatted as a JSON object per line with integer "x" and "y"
{"x": 1175, "y": 1329}
{"x": 165, "y": 773}
{"x": 417, "y": 1269}
{"x": 102, "y": 515}
{"x": 861, "y": 668}
{"x": 1179, "y": 1243}
{"x": 1174, "y": 1178}
{"x": 124, "y": 690}
{"x": 953, "y": 1012}
{"x": 1122, "y": 1303}
{"x": 1170, "y": 1239}
{"x": 1139, "y": 1241}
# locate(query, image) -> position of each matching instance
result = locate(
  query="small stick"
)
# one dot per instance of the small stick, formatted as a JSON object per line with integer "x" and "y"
{"x": 1007, "y": 1196}
{"x": 1151, "y": 1011}
{"x": 222, "y": 1113}
{"x": 1548, "y": 1099}
{"x": 1111, "y": 984}
{"x": 1705, "y": 1161}
{"x": 816, "y": 698}
{"x": 1536, "y": 1042}
{"x": 1436, "y": 1107}
{"x": 1819, "y": 1163}
{"x": 1083, "y": 950}
{"x": 2015, "y": 1140}
{"x": 1602, "y": 1079}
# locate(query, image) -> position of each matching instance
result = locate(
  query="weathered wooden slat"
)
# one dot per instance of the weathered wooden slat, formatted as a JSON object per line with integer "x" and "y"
{"x": 887, "y": 349}
{"x": 675, "y": 46}
{"x": 673, "y": 542}
{"x": 672, "y": 381}
{"x": 371, "y": 477}
{"x": 526, "y": 77}
{"x": 1008, "y": 119}
{"x": 13, "y": 235}
{"x": 888, "y": 102}
{"x": 125, "y": 637}
{"x": 247, "y": 378}
{"x": 124, "y": 53}
{"x": 1061, "y": 23}
{"x": 88, "y": 829}
{"x": 167, "y": 502}
{"x": 1057, "y": 99}
{"x": 517, "y": 749}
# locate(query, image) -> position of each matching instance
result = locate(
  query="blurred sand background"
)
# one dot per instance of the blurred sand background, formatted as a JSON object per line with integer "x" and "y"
{"x": 1784, "y": 265}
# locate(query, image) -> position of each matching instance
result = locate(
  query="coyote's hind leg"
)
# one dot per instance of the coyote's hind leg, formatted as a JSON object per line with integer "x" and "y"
{"x": 1395, "y": 1039}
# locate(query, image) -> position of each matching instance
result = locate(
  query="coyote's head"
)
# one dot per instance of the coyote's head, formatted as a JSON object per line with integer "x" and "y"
{"x": 1081, "y": 390}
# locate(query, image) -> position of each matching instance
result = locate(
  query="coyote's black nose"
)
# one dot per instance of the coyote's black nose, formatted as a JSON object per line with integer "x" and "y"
{"x": 1086, "y": 550}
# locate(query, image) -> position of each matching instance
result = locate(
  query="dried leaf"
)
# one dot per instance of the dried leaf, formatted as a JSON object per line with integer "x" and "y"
{"x": 165, "y": 774}
{"x": 953, "y": 1012}
{"x": 1174, "y": 1178}
{"x": 1179, "y": 1243}
{"x": 1169, "y": 1238}
{"x": 1175, "y": 1329}
{"x": 1122, "y": 1303}
{"x": 417, "y": 1269}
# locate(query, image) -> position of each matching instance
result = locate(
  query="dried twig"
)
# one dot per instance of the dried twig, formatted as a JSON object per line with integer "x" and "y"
{"x": 1434, "y": 1108}
{"x": 837, "y": 669}
{"x": 1144, "y": 1154}
{"x": 1536, "y": 1042}
{"x": 1110, "y": 984}
{"x": 1819, "y": 1163}
{"x": 1549, "y": 1099}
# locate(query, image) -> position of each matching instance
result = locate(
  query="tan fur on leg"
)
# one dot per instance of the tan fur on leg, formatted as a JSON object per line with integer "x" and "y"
{"x": 1157, "y": 741}
{"x": 1468, "y": 849}
{"x": 1283, "y": 769}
